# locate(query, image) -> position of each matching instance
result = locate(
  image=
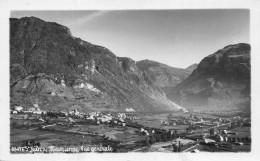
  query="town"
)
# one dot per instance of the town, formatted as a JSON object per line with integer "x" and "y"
{"x": 179, "y": 131}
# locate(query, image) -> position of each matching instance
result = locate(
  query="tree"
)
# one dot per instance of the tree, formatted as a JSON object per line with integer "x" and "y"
{"x": 174, "y": 136}
{"x": 247, "y": 139}
{"x": 179, "y": 149}
{"x": 174, "y": 148}
{"x": 32, "y": 142}
{"x": 26, "y": 143}
{"x": 164, "y": 136}
{"x": 170, "y": 135}
{"x": 160, "y": 137}
{"x": 156, "y": 137}
{"x": 147, "y": 141}
{"x": 38, "y": 144}
{"x": 152, "y": 139}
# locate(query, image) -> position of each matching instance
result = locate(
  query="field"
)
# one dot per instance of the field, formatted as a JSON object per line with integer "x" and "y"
{"x": 118, "y": 137}
{"x": 154, "y": 121}
{"x": 59, "y": 132}
{"x": 48, "y": 138}
{"x": 122, "y": 134}
{"x": 242, "y": 131}
{"x": 165, "y": 146}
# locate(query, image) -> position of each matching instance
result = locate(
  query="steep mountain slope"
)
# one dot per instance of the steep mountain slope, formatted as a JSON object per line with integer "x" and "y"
{"x": 50, "y": 67}
{"x": 192, "y": 67}
{"x": 163, "y": 76}
{"x": 221, "y": 81}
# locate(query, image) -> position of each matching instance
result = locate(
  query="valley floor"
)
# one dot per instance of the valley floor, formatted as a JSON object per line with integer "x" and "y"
{"x": 147, "y": 132}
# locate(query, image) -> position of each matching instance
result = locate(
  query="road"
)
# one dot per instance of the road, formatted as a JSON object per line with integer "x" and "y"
{"x": 186, "y": 150}
{"x": 219, "y": 126}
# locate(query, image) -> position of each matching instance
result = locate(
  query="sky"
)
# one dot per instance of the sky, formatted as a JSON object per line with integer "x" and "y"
{"x": 178, "y": 38}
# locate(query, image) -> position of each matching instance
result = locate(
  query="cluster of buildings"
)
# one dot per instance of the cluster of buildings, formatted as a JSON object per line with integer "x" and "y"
{"x": 69, "y": 118}
{"x": 26, "y": 110}
{"x": 218, "y": 128}
{"x": 196, "y": 122}
{"x": 98, "y": 117}
{"x": 239, "y": 121}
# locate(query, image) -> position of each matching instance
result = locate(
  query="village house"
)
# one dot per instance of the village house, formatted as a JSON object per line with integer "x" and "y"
{"x": 172, "y": 123}
{"x": 14, "y": 112}
{"x": 144, "y": 132}
{"x": 65, "y": 113}
{"x": 216, "y": 123}
{"x": 34, "y": 110}
{"x": 74, "y": 112}
{"x": 90, "y": 117}
{"x": 206, "y": 140}
{"x": 121, "y": 115}
{"x": 219, "y": 138}
{"x": 18, "y": 108}
{"x": 39, "y": 112}
{"x": 31, "y": 109}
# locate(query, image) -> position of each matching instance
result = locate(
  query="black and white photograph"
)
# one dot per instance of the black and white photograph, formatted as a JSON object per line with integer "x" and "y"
{"x": 138, "y": 81}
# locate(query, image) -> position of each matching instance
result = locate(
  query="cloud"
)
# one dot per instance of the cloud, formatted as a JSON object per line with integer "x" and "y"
{"x": 89, "y": 17}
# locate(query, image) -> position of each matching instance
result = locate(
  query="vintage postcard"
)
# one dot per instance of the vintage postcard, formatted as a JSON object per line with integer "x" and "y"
{"x": 134, "y": 81}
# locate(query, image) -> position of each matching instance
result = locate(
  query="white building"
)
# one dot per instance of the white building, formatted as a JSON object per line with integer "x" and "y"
{"x": 121, "y": 115}
{"x": 39, "y": 112}
{"x": 31, "y": 109}
{"x": 220, "y": 138}
{"x": 18, "y": 108}
{"x": 63, "y": 83}
{"x": 14, "y": 112}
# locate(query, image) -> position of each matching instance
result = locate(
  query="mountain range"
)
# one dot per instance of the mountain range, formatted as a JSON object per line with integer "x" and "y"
{"x": 164, "y": 76}
{"x": 51, "y": 68}
{"x": 221, "y": 81}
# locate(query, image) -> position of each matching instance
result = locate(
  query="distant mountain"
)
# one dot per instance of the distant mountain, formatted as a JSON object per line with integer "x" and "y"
{"x": 221, "y": 81}
{"x": 162, "y": 75}
{"x": 192, "y": 67}
{"x": 51, "y": 68}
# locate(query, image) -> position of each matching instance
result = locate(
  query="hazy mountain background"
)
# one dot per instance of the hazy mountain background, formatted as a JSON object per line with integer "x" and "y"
{"x": 221, "y": 81}
{"x": 162, "y": 75}
{"x": 192, "y": 67}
